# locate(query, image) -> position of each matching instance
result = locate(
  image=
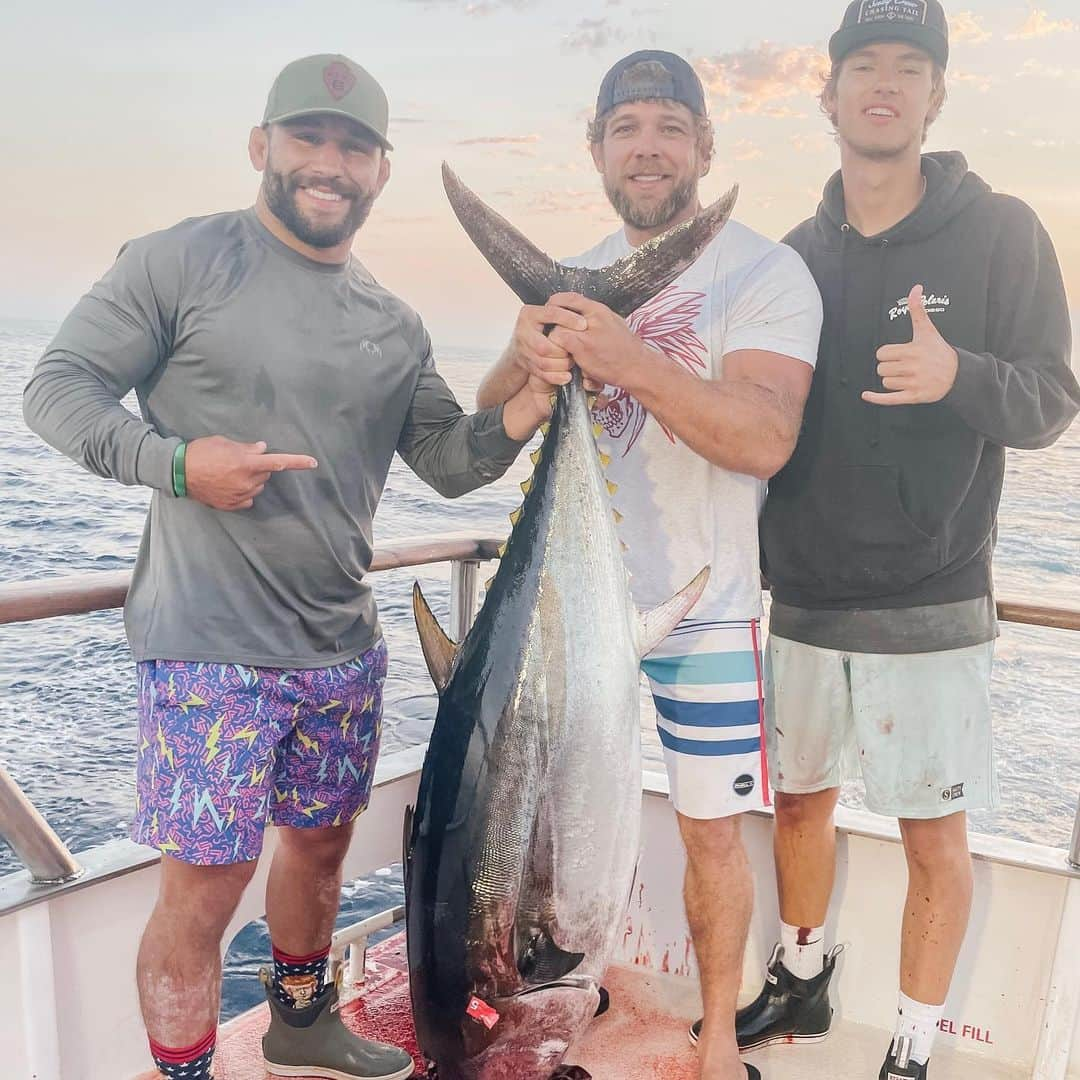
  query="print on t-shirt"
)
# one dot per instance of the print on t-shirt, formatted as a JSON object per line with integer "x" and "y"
{"x": 666, "y": 323}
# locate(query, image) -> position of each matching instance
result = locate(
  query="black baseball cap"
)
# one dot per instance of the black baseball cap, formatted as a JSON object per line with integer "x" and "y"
{"x": 920, "y": 22}
{"x": 649, "y": 74}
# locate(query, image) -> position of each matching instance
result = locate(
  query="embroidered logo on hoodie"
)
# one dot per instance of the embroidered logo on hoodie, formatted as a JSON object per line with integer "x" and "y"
{"x": 935, "y": 305}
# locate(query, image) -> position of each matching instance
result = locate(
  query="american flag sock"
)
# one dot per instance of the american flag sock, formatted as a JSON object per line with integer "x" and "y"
{"x": 297, "y": 979}
{"x": 186, "y": 1063}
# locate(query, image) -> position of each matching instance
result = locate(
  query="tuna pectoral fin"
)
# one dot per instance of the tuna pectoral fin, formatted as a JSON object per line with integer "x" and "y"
{"x": 655, "y": 625}
{"x": 540, "y": 960}
{"x": 439, "y": 650}
{"x": 406, "y": 836}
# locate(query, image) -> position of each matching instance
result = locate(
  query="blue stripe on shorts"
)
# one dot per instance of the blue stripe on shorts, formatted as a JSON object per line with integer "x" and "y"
{"x": 703, "y": 669}
{"x": 709, "y": 714}
{"x": 709, "y": 748}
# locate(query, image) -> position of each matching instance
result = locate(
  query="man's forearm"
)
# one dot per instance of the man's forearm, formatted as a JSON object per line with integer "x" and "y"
{"x": 502, "y": 382}
{"x": 734, "y": 424}
{"x": 73, "y": 411}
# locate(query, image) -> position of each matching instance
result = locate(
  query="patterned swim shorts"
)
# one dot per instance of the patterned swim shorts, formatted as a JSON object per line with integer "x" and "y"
{"x": 226, "y": 748}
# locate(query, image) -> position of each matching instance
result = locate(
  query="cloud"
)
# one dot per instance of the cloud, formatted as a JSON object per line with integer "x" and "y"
{"x": 982, "y": 83}
{"x": 814, "y": 143}
{"x": 498, "y": 140}
{"x": 568, "y": 201}
{"x": 1046, "y": 71}
{"x": 592, "y": 34}
{"x": 761, "y": 80}
{"x": 745, "y": 150}
{"x": 406, "y": 219}
{"x": 476, "y": 7}
{"x": 967, "y": 26}
{"x": 1040, "y": 24}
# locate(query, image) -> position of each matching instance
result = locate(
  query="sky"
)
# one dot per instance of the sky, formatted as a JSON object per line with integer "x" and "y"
{"x": 121, "y": 118}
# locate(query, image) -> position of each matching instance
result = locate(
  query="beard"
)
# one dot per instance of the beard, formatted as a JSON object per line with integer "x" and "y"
{"x": 650, "y": 217}
{"x": 280, "y": 194}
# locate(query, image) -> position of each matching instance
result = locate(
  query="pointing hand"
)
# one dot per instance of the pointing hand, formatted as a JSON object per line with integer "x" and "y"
{"x": 228, "y": 475}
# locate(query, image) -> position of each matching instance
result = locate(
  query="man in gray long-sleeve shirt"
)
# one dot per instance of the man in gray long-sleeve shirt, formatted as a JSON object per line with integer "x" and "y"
{"x": 275, "y": 380}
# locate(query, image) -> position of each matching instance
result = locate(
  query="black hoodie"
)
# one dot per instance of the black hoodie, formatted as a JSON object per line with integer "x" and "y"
{"x": 886, "y": 507}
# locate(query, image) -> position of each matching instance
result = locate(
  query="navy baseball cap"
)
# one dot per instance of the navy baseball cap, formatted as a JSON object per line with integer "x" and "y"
{"x": 650, "y": 74}
{"x": 920, "y": 22}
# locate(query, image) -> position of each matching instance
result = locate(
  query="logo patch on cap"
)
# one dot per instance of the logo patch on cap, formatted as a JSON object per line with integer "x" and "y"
{"x": 647, "y": 79}
{"x": 339, "y": 79}
{"x": 894, "y": 11}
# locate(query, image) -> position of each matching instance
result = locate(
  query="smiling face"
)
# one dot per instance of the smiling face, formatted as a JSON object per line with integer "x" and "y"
{"x": 321, "y": 175}
{"x": 882, "y": 99}
{"x": 651, "y": 158}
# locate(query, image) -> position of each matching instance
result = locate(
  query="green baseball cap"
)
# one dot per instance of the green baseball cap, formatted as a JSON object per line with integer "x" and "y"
{"x": 327, "y": 83}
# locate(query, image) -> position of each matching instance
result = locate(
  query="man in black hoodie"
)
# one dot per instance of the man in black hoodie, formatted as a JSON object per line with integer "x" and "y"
{"x": 946, "y": 339}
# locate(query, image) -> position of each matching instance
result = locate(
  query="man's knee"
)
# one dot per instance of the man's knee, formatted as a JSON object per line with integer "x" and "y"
{"x": 797, "y": 813}
{"x": 204, "y": 898}
{"x": 938, "y": 846}
{"x": 711, "y": 840}
{"x": 323, "y": 850}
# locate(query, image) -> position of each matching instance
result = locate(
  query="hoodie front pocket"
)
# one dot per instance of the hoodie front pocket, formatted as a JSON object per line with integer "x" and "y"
{"x": 868, "y": 545}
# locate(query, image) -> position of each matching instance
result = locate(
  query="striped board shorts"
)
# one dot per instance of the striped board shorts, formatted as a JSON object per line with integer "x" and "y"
{"x": 707, "y": 686}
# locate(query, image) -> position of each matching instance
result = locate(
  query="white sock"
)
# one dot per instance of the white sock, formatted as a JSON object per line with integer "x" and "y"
{"x": 804, "y": 950}
{"x": 919, "y": 1023}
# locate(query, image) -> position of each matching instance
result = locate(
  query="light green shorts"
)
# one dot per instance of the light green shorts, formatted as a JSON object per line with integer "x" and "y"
{"x": 916, "y": 726}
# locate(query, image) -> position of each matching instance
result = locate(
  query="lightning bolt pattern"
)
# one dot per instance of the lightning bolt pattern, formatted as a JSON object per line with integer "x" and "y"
{"x": 225, "y": 749}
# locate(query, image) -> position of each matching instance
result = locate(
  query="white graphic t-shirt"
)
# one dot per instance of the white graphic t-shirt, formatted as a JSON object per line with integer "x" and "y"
{"x": 680, "y": 512}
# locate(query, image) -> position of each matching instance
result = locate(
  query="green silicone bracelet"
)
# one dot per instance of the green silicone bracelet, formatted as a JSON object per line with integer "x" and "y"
{"x": 179, "y": 476}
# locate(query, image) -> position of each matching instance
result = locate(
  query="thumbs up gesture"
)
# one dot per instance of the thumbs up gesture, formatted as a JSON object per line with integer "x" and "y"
{"x": 920, "y": 372}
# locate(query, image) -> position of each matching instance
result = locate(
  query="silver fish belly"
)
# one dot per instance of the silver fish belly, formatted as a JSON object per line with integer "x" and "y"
{"x": 522, "y": 849}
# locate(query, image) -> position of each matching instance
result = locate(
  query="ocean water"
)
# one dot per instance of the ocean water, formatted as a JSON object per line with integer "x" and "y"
{"x": 67, "y": 685}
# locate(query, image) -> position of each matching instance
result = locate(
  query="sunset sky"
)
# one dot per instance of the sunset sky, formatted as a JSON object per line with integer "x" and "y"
{"x": 125, "y": 117}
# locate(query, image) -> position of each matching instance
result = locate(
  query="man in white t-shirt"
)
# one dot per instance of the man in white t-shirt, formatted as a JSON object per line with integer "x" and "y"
{"x": 703, "y": 393}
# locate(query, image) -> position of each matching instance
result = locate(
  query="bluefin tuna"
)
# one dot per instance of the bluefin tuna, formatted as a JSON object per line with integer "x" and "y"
{"x": 521, "y": 852}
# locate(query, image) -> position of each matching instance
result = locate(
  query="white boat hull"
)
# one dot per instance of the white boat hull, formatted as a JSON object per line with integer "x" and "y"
{"x": 68, "y": 1008}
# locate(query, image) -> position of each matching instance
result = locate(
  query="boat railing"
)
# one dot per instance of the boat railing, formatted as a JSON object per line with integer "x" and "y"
{"x": 45, "y": 855}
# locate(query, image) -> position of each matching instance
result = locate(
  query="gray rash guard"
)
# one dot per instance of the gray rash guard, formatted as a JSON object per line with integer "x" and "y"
{"x": 221, "y": 329}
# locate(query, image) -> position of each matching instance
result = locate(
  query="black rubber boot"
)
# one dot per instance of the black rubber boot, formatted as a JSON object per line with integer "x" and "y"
{"x": 909, "y": 1070}
{"x": 788, "y": 1009}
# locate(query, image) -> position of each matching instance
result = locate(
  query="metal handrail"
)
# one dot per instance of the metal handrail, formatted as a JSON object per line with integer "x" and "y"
{"x": 46, "y": 856}
{"x": 32, "y": 838}
{"x": 26, "y": 601}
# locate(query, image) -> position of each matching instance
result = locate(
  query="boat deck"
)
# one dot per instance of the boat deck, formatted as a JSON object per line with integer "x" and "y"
{"x": 643, "y": 1037}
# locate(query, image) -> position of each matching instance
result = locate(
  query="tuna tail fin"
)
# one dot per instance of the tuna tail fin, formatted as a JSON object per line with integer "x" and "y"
{"x": 439, "y": 651}
{"x": 541, "y": 961}
{"x": 627, "y": 284}
{"x": 655, "y": 625}
{"x": 624, "y": 286}
{"x": 524, "y": 267}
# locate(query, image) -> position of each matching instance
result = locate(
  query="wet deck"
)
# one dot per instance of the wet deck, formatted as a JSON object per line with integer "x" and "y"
{"x": 643, "y": 1037}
